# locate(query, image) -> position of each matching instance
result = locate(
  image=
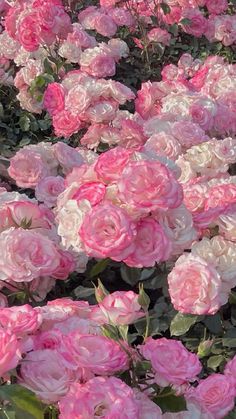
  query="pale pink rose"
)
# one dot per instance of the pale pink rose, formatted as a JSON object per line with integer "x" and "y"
{"x": 77, "y": 100}
{"x": 99, "y": 354}
{"x": 148, "y": 186}
{"x": 94, "y": 192}
{"x": 67, "y": 156}
{"x": 62, "y": 309}
{"x": 202, "y": 112}
{"x": 26, "y": 255}
{"x": 30, "y": 215}
{"x": 106, "y": 396}
{"x": 27, "y": 168}
{"x": 230, "y": 369}
{"x": 101, "y": 111}
{"x": 152, "y": 245}
{"x": 40, "y": 287}
{"x": 164, "y": 145}
{"x": 172, "y": 362}
{"x": 100, "y": 64}
{"x": 119, "y": 308}
{"x": 146, "y": 99}
{"x": 65, "y": 124}
{"x": 107, "y": 231}
{"x": 178, "y": 227}
{"x": 20, "y": 320}
{"x": 111, "y": 164}
{"x": 120, "y": 92}
{"x": 54, "y": 98}
{"x": 188, "y": 133}
{"x": 9, "y": 351}
{"x": 28, "y": 102}
{"x": 69, "y": 219}
{"x": 43, "y": 372}
{"x": 195, "y": 286}
{"x": 146, "y": 407}
{"x": 48, "y": 189}
{"x": 121, "y": 16}
{"x": 216, "y": 6}
{"x": 159, "y": 35}
{"x": 216, "y": 394}
{"x": 198, "y": 23}
{"x": 105, "y": 25}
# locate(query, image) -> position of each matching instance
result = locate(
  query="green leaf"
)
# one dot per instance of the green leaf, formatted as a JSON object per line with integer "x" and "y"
{"x": 214, "y": 361}
{"x": 23, "y": 401}
{"x": 185, "y": 21}
{"x": 166, "y": 9}
{"x": 48, "y": 66}
{"x": 214, "y": 324}
{"x": 99, "y": 267}
{"x": 169, "y": 402}
{"x": 83, "y": 292}
{"x": 130, "y": 275}
{"x": 181, "y": 323}
{"x": 24, "y": 123}
{"x": 229, "y": 339}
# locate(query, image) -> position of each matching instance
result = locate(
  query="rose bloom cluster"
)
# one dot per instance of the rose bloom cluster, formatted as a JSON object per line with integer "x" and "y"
{"x": 81, "y": 99}
{"x": 193, "y": 91}
{"x": 37, "y": 22}
{"x": 125, "y": 205}
{"x": 69, "y": 333}
{"x": 195, "y": 17}
{"x": 31, "y": 250}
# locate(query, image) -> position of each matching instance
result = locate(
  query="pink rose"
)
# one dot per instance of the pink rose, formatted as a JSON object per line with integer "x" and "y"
{"x": 149, "y": 186}
{"x": 152, "y": 245}
{"x": 78, "y": 100}
{"x": 164, "y": 145}
{"x": 99, "y": 354}
{"x": 27, "y": 168}
{"x": 216, "y": 6}
{"x": 65, "y": 124}
{"x": 54, "y": 98}
{"x": 66, "y": 266}
{"x": 195, "y": 287}
{"x": 172, "y": 362}
{"x": 48, "y": 189}
{"x": 27, "y": 33}
{"x": 101, "y": 396}
{"x": 230, "y": 369}
{"x": 107, "y": 231}
{"x": 146, "y": 407}
{"x": 67, "y": 156}
{"x": 20, "y": 320}
{"x": 93, "y": 192}
{"x": 105, "y": 25}
{"x": 26, "y": 255}
{"x": 198, "y": 23}
{"x": 216, "y": 394}
{"x": 159, "y": 35}
{"x": 99, "y": 65}
{"x": 9, "y": 351}
{"x": 43, "y": 372}
{"x": 111, "y": 164}
{"x": 119, "y": 308}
